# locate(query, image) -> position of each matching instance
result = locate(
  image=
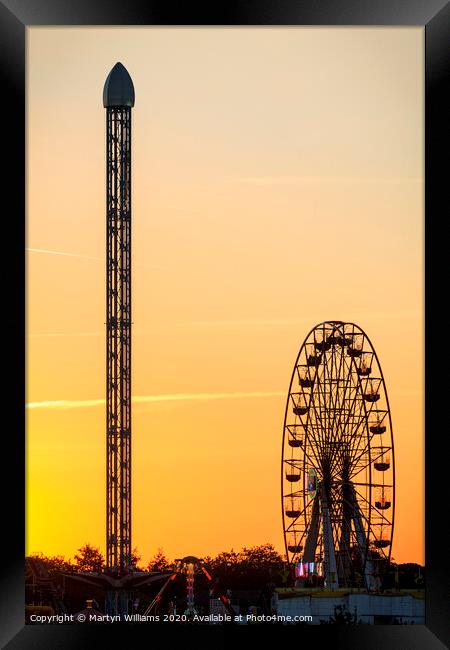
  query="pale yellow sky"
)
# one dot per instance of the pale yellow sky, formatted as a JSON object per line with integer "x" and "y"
{"x": 277, "y": 183}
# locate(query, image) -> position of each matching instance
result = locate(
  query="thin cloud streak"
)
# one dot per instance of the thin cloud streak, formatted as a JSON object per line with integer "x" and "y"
{"x": 286, "y": 180}
{"x": 46, "y": 335}
{"x": 177, "y": 397}
{"x": 63, "y": 254}
{"x": 297, "y": 321}
{"x": 46, "y": 251}
{"x": 145, "y": 399}
{"x": 256, "y": 322}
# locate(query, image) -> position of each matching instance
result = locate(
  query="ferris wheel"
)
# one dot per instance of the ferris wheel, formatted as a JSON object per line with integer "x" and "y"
{"x": 338, "y": 476}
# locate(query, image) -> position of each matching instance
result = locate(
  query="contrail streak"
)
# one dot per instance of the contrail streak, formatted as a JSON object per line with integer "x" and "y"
{"x": 45, "y": 335}
{"x": 177, "y": 397}
{"x": 256, "y": 322}
{"x": 63, "y": 254}
{"x": 81, "y": 257}
{"x": 281, "y": 180}
{"x": 145, "y": 399}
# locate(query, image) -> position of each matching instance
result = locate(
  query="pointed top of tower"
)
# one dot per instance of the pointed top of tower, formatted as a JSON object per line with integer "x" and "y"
{"x": 118, "y": 89}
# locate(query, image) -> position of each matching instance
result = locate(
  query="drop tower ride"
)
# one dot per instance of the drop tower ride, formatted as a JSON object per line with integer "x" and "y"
{"x": 118, "y": 99}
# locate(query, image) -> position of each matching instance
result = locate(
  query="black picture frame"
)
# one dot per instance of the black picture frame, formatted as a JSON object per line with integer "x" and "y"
{"x": 15, "y": 17}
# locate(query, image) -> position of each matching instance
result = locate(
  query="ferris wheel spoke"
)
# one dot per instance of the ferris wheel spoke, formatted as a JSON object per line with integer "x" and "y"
{"x": 345, "y": 460}
{"x": 316, "y": 427}
{"x": 292, "y": 495}
{"x": 372, "y": 459}
{"x": 356, "y": 401}
{"x": 358, "y": 417}
{"x": 335, "y": 410}
{"x": 300, "y": 514}
{"x": 314, "y": 463}
{"x": 317, "y": 411}
{"x": 359, "y": 443}
{"x": 347, "y": 446}
{"x": 348, "y": 378}
{"x": 388, "y": 521}
{"x": 321, "y": 392}
{"x": 310, "y": 439}
{"x": 368, "y": 413}
{"x": 333, "y": 398}
{"x": 299, "y": 535}
{"x": 363, "y": 451}
{"x": 293, "y": 528}
{"x": 373, "y": 485}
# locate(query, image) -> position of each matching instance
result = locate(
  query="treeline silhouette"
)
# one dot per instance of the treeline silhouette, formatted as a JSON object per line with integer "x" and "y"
{"x": 253, "y": 567}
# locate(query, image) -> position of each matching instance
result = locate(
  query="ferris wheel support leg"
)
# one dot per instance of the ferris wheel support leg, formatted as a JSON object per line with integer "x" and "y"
{"x": 369, "y": 577}
{"x": 344, "y": 562}
{"x": 311, "y": 541}
{"x": 330, "y": 569}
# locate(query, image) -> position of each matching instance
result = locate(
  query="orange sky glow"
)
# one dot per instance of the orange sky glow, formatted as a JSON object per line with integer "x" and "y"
{"x": 277, "y": 183}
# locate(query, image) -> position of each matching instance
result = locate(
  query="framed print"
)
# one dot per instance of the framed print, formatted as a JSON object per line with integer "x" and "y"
{"x": 227, "y": 258}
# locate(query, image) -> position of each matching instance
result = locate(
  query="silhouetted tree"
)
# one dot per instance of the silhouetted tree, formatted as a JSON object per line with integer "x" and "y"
{"x": 263, "y": 556}
{"x": 135, "y": 558}
{"x": 54, "y": 564}
{"x": 251, "y": 568}
{"x": 404, "y": 576}
{"x": 88, "y": 559}
{"x": 159, "y": 562}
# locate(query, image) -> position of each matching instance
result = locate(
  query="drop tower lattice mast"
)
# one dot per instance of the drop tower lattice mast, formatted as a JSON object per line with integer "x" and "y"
{"x": 118, "y": 99}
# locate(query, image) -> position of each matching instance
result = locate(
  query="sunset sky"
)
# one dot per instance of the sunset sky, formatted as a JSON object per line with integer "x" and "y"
{"x": 277, "y": 183}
